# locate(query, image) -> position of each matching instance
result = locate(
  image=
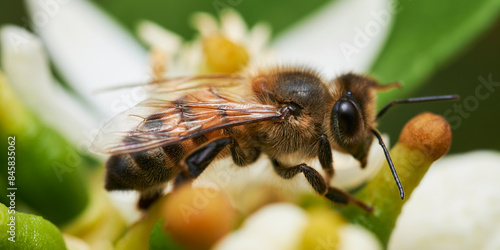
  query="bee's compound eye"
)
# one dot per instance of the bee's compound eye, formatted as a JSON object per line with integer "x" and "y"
{"x": 347, "y": 117}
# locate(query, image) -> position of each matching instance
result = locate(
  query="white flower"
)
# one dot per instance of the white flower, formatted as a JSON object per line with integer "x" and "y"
{"x": 258, "y": 233}
{"x": 455, "y": 206}
{"x": 188, "y": 58}
{"x": 280, "y": 226}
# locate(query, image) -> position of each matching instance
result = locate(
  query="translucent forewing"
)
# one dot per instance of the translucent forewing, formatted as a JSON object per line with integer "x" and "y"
{"x": 160, "y": 121}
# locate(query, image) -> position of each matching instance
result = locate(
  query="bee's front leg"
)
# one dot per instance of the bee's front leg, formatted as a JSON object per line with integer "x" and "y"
{"x": 334, "y": 194}
{"x": 325, "y": 156}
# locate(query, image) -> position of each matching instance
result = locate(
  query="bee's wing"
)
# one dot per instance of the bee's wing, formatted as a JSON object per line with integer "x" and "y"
{"x": 154, "y": 122}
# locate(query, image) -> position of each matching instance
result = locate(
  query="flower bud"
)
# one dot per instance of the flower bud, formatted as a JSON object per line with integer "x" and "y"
{"x": 424, "y": 139}
{"x": 197, "y": 217}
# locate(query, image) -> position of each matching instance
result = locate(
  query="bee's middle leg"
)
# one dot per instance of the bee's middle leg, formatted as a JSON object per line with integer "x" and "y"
{"x": 340, "y": 196}
{"x": 243, "y": 154}
{"x": 319, "y": 185}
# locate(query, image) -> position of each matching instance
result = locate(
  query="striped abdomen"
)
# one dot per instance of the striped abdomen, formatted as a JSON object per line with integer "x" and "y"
{"x": 146, "y": 169}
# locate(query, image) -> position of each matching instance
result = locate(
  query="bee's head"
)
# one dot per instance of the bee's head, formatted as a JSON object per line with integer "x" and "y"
{"x": 353, "y": 114}
{"x": 353, "y": 118}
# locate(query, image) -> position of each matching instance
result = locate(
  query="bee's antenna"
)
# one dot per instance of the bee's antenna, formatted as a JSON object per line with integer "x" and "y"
{"x": 391, "y": 165}
{"x": 418, "y": 99}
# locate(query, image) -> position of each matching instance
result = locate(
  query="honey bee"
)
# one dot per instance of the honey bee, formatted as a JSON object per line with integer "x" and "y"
{"x": 291, "y": 115}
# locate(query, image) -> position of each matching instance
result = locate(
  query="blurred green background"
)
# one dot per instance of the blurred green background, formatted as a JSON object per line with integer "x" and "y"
{"x": 455, "y": 74}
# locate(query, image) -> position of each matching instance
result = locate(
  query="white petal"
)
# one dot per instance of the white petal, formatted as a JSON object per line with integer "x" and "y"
{"x": 274, "y": 227}
{"x": 233, "y": 26}
{"x": 456, "y": 206}
{"x": 125, "y": 203}
{"x": 165, "y": 46}
{"x": 205, "y": 23}
{"x": 258, "y": 38}
{"x": 345, "y": 35}
{"x": 156, "y": 36}
{"x": 27, "y": 68}
{"x": 75, "y": 243}
{"x": 91, "y": 51}
{"x": 354, "y": 237}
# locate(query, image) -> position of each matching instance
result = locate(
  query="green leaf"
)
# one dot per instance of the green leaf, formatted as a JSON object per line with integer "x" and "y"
{"x": 427, "y": 34}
